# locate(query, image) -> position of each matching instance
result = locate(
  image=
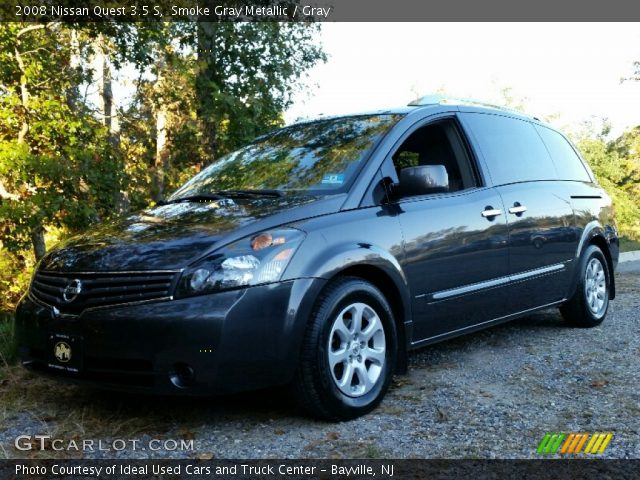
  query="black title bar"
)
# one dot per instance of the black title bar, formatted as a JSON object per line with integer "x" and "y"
{"x": 318, "y": 10}
{"x": 319, "y": 469}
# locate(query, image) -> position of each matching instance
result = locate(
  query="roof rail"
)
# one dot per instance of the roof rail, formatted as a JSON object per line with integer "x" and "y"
{"x": 446, "y": 100}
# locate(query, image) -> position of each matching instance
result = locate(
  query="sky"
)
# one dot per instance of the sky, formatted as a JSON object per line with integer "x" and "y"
{"x": 568, "y": 71}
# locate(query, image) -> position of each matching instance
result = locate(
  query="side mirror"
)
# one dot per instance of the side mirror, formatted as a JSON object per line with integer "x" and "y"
{"x": 422, "y": 180}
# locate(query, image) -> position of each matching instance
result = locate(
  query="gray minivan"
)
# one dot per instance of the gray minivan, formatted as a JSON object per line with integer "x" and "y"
{"x": 319, "y": 255}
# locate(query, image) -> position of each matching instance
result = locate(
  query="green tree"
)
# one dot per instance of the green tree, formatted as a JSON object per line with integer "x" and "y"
{"x": 212, "y": 88}
{"x": 616, "y": 165}
{"x": 55, "y": 168}
{"x": 67, "y": 161}
{"x": 245, "y": 76}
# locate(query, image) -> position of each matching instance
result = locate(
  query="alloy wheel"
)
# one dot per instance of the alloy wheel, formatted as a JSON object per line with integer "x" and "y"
{"x": 357, "y": 349}
{"x": 595, "y": 287}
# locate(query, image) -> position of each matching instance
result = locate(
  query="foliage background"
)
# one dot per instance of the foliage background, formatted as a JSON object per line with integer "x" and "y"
{"x": 71, "y": 157}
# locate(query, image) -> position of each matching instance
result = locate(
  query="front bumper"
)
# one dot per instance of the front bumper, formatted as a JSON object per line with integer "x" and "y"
{"x": 231, "y": 341}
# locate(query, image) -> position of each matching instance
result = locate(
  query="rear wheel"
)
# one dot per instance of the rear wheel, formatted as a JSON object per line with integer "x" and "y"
{"x": 349, "y": 351}
{"x": 589, "y": 304}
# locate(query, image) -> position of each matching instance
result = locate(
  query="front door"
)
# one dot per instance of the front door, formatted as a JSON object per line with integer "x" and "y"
{"x": 456, "y": 260}
{"x": 456, "y": 242}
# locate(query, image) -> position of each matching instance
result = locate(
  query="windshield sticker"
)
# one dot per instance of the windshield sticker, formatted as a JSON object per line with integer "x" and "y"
{"x": 333, "y": 179}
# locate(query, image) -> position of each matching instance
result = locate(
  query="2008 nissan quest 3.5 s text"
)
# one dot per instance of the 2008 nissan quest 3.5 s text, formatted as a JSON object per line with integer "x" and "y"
{"x": 320, "y": 254}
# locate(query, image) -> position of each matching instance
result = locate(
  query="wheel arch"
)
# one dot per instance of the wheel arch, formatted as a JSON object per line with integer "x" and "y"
{"x": 600, "y": 242}
{"x": 594, "y": 234}
{"x": 377, "y": 264}
{"x": 388, "y": 286}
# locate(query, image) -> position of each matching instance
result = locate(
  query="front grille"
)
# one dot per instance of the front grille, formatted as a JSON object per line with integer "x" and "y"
{"x": 99, "y": 290}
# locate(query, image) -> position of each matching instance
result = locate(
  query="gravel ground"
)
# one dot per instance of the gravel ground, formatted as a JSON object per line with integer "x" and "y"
{"x": 492, "y": 394}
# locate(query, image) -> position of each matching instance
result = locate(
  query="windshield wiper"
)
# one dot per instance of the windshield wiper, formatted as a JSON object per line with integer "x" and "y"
{"x": 222, "y": 194}
{"x": 265, "y": 192}
{"x": 201, "y": 197}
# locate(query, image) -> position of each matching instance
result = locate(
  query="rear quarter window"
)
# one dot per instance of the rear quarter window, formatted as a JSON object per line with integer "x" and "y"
{"x": 512, "y": 149}
{"x": 567, "y": 162}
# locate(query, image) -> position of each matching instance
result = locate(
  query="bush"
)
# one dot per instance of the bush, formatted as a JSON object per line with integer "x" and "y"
{"x": 628, "y": 245}
{"x": 616, "y": 165}
{"x": 7, "y": 341}
{"x": 15, "y": 273}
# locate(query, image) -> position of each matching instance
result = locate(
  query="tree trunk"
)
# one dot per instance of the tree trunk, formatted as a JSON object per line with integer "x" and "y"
{"x": 37, "y": 231}
{"x": 207, "y": 87}
{"x": 73, "y": 93}
{"x": 162, "y": 155}
{"x": 108, "y": 110}
{"x": 122, "y": 202}
{"x": 106, "y": 104}
{"x": 24, "y": 96}
{"x": 161, "y": 162}
{"x": 37, "y": 240}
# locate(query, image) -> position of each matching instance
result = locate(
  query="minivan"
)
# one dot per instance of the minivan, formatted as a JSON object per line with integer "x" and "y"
{"x": 321, "y": 254}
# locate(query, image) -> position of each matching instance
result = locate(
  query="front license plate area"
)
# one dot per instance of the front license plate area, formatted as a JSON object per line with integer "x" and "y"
{"x": 65, "y": 353}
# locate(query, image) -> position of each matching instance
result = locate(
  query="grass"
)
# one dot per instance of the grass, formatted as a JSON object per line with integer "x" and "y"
{"x": 7, "y": 344}
{"x": 373, "y": 451}
{"x": 70, "y": 412}
{"x": 628, "y": 245}
{"x": 75, "y": 413}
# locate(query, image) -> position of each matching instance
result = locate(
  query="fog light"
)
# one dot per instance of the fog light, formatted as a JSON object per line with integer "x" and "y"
{"x": 182, "y": 375}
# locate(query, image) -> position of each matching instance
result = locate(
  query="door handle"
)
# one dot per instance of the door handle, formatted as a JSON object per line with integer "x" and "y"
{"x": 491, "y": 212}
{"x": 517, "y": 209}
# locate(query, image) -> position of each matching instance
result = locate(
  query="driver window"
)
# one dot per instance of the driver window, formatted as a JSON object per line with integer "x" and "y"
{"x": 438, "y": 144}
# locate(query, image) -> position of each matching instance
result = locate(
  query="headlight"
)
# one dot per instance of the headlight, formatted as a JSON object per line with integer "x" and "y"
{"x": 253, "y": 260}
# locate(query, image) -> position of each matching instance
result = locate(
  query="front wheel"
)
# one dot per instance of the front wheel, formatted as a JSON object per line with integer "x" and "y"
{"x": 349, "y": 351}
{"x": 589, "y": 304}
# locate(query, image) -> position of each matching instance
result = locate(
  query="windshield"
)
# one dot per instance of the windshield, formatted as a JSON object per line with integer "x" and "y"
{"x": 314, "y": 158}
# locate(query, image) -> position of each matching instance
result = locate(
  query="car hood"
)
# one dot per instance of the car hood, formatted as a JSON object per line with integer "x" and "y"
{"x": 172, "y": 236}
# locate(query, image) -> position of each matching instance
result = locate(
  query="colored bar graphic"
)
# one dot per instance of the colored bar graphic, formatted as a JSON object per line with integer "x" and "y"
{"x": 605, "y": 442}
{"x": 600, "y": 443}
{"x": 543, "y": 443}
{"x": 557, "y": 443}
{"x": 579, "y": 445}
{"x": 552, "y": 443}
{"x": 596, "y": 445}
{"x": 570, "y": 439}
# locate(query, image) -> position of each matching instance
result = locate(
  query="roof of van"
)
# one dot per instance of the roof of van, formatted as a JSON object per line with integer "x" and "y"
{"x": 431, "y": 101}
{"x": 467, "y": 103}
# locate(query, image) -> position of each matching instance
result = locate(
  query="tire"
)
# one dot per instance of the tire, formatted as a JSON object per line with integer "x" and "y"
{"x": 589, "y": 304}
{"x": 345, "y": 371}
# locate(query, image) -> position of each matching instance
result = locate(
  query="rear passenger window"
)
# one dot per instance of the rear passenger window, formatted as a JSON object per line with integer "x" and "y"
{"x": 568, "y": 164}
{"x": 512, "y": 149}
